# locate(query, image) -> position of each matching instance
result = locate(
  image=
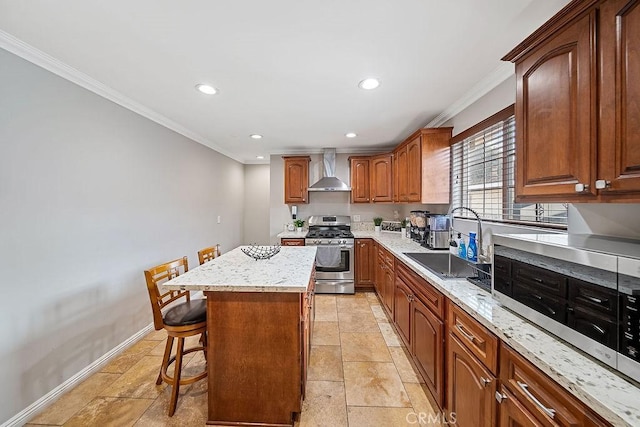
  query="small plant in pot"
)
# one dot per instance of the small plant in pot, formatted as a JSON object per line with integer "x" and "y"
{"x": 298, "y": 223}
{"x": 403, "y": 228}
{"x": 377, "y": 221}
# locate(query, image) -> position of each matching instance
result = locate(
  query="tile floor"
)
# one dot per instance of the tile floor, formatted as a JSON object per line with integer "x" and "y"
{"x": 359, "y": 375}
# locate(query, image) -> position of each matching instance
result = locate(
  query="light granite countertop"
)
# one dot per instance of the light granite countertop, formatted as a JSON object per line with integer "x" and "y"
{"x": 287, "y": 271}
{"x": 613, "y": 397}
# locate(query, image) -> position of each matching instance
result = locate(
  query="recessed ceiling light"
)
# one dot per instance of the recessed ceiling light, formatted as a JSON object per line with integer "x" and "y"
{"x": 255, "y": 136}
{"x": 350, "y": 135}
{"x": 260, "y": 157}
{"x": 207, "y": 89}
{"x": 369, "y": 84}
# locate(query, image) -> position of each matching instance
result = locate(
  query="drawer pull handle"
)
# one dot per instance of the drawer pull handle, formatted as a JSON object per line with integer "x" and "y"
{"x": 538, "y": 280}
{"x": 464, "y": 332}
{"x": 593, "y": 299}
{"x": 525, "y": 389}
{"x": 485, "y": 381}
{"x": 598, "y": 329}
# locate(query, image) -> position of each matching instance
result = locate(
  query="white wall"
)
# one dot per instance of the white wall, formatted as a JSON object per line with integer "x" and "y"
{"x": 91, "y": 194}
{"x": 607, "y": 219}
{"x": 256, "y": 204}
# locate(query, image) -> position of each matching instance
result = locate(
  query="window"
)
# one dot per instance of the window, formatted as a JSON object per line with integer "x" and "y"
{"x": 483, "y": 175}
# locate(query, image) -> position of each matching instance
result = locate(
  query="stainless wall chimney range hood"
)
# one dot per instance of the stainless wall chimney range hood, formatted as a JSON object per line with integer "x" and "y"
{"x": 329, "y": 182}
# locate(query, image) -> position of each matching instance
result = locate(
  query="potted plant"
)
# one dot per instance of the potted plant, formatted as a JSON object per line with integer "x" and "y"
{"x": 403, "y": 228}
{"x": 298, "y": 223}
{"x": 377, "y": 221}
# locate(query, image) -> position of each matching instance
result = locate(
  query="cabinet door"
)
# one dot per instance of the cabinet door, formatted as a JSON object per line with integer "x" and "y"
{"x": 381, "y": 182}
{"x": 401, "y": 174}
{"x": 471, "y": 388}
{"x": 556, "y": 116}
{"x": 380, "y": 276}
{"x": 402, "y": 310}
{"x": 364, "y": 263}
{"x": 360, "y": 181}
{"x": 512, "y": 413}
{"x": 388, "y": 289}
{"x": 427, "y": 339}
{"x": 296, "y": 179}
{"x": 414, "y": 171}
{"x": 619, "y": 151}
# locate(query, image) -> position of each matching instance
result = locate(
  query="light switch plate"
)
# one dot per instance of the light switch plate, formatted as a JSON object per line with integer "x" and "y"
{"x": 356, "y": 218}
{"x": 219, "y": 219}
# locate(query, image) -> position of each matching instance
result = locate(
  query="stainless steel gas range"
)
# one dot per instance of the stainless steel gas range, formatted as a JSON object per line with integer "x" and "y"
{"x": 334, "y": 261}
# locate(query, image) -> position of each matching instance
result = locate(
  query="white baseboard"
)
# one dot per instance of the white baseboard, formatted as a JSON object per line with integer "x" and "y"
{"x": 32, "y": 410}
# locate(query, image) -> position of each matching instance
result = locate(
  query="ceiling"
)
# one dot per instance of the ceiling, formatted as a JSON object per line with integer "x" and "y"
{"x": 285, "y": 69}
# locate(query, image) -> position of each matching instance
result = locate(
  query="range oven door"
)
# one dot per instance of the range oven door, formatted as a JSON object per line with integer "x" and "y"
{"x": 338, "y": 266}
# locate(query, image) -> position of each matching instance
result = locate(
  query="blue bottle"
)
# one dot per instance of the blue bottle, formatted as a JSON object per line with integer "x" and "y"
{"x": 472, "y": 250}
{"x": 462, "y": 249}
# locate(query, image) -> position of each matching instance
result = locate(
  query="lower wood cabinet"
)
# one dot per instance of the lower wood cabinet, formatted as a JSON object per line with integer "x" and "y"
{"x": 365, "y": 264}
{"x": 292, "y": 242}
{"x": 471, "y": 387}
{"x": 512, "y": 412}
{"x": 427, "y": 340}
{"x": 385, "y": 279}
{"x": 402, "y": 310}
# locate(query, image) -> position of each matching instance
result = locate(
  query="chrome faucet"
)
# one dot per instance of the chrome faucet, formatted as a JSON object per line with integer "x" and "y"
{"x": 481, "y": 256}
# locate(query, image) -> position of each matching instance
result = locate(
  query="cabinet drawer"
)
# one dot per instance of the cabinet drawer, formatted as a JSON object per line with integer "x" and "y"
{"x": 550, "y": 305}
{"x": 422, "y": 289}
{"x": 292, "y": 242}
{"x": 478, "y": 339}
{"x": 501, "y": 267}
{"x": 540, "y": 278}
{"x": 593, "y": 297}
{"x": 543, "y": 397}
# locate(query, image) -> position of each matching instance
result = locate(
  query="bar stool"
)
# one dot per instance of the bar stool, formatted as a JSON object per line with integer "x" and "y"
{"x": 207, "y": 254}
{"x": 180, "y": 320}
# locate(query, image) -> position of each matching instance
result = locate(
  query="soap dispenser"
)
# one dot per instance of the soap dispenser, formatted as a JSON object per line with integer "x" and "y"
{"x": 462, "y": 249}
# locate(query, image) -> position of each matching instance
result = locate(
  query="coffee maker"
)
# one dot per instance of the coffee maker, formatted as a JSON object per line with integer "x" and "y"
{"x": 437, "y": 234}
{"x": 418, "y": 228}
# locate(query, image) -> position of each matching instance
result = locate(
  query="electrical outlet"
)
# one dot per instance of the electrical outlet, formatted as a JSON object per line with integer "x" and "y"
{"x": 219, "y": 219}
{"x": 356, "y": 218}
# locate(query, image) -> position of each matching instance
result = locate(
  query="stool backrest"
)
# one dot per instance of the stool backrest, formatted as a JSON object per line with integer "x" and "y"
{"x": 158, "y": 275}
{"x": 207, "y": 254}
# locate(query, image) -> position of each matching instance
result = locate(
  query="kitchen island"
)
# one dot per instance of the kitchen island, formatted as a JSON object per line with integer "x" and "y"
{"x": 259, "y": 322}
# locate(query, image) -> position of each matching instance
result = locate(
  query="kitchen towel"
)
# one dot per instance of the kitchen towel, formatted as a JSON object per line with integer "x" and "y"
{"x": 328, "y": 256}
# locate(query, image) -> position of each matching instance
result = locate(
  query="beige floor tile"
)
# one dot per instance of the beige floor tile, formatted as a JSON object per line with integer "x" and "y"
{"x": 422, "y": 403}
{"x": 154, "y": 335}
{"x": 354, "y": 321}
{"x": 324, "y": 405}
{"x": 357, "y": 303}
{"x": 110, "y": 411}
{"x": 130, "y": 357}
{"x": 139, "y": 381}
{"x": 41, "y": 425}
{"x": 364, "y": 347}
{"x": 326, "y": 333}
{"x": 191, "y": 409}
{"x": 74, "y": 400}
{"x": 325, "y": 363}
{"x": 379, "y": 314}
{"x": 326, "y": 309}
{"x": 390, "y": 337}
{"x": 403, "y": 365}
{"x": 372, "y": 298}
{"x": 189, "y": 342}
{"x": 381, "y": 417}
{"x": 374, "y": 384}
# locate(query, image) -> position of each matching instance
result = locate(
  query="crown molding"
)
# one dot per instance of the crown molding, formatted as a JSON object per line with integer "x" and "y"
{"x": 43, "y": 60}
{"x": 501, "y": 73}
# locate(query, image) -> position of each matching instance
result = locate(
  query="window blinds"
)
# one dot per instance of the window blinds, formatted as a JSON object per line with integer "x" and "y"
{"x": 483, "y": 178}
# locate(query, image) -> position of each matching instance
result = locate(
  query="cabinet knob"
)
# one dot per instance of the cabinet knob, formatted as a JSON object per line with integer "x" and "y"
{"x": 601, "y": 184}
{"x": 485, "y": 381}
{"x": 581, "y": 188}
{"x": 500, "y": 397}
{"x": 374, "y": 199}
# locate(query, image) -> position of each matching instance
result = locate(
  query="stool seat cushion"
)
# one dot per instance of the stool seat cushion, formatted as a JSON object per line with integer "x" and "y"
{"x": 187, "y": 313}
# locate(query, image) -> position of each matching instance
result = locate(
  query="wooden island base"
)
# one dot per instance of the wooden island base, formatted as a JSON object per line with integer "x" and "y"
{"x": 258, "y": 346}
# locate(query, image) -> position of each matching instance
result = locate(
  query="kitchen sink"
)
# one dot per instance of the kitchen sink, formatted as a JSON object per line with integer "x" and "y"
{"x": 438, "y": 264}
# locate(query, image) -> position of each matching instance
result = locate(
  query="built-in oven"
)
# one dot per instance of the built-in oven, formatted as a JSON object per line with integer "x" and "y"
{"x": 335, "y": 257}
{"x": 584, "y": 289}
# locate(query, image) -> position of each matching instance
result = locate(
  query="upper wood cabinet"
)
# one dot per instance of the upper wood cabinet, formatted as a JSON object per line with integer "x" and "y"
{"x": 296, "y": 179}
{"x": 381, "y": 186}
{"x": 577, "y": 110}
{"x": 360, "y": 180}
{"x": 422, "y": 167}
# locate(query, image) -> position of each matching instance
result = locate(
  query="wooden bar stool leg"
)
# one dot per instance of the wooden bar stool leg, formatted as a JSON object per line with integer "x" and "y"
{"x": 165, "y": 359}
{"x": 177, "y": 370}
